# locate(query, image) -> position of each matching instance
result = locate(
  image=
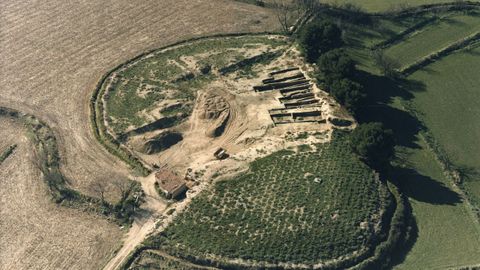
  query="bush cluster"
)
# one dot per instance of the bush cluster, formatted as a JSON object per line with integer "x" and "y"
{"x": 319, "y": 37}
{"x": 321, "y": 43}
{"x": 374, "y": 144}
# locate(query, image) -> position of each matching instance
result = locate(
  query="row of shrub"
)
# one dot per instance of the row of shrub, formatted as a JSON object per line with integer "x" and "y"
{"x": 400, "y": 234}
{"x": 320, "y": 42}
{"x": 421, "y": 63}
{"x": 48, "y": 161}
{"x": 460, "y": 5}
{"x": 404, "y": 34}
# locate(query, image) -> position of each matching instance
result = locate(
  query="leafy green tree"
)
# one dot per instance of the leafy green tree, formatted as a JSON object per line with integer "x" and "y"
{"x": 336, "y": 63}
{"x": 319, "y": 37}
{"x": 348, "y": 93}
{"x": 374, "y": 144}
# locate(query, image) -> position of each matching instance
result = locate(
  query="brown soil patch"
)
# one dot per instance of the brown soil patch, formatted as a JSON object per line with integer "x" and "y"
{"x": 37, "y": 233}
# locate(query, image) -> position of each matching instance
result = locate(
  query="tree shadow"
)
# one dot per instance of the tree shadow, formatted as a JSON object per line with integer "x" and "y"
{"x": 453, "y": 21}
{"x": 472, "y": 51}
{"x": 468, "y": 173}
{"x": 423, "y": 188}
{"x": 381, "y": 91}
{"x": 409, "y": 238}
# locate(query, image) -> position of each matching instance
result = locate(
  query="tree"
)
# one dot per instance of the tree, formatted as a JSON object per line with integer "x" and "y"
{"x": 319, "y": 37}
{"x": 374, "y": 144}
{"x": 124, "y": 186}
{"x": 283, "y": 12}
{"x": 387, "y": 65}
{"x": 336, "y": 63}
{"x": 348, "y": 93}
{"x": 99, "y": 188}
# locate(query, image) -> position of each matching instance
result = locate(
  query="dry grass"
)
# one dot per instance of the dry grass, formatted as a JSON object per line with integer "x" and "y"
{"x": 37, "y": 233}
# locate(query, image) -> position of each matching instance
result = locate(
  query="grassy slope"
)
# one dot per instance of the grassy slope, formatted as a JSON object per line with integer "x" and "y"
{"x": 386, "y": 5}
{"x": 451, "y": 108}
{"x": 447, "y": 234}
{"x": 360, "y": 38}
{"x": 434, "y": 37}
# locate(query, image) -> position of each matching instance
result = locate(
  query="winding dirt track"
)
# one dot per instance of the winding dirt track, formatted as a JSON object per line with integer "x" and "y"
{"x": 52, "y": 54}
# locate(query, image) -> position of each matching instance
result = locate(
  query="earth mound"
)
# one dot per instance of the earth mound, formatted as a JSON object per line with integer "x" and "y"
{"x": 214, "y": 110}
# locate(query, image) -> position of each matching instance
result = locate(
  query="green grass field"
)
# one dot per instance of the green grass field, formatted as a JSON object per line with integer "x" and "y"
{"x": 291, "y": 207}
{"x": 448, "y": 236}
{"x": 434, "y": 37}
{"x": 451, "y": 108}
{"x": 387, "y": 5}
{"x": 360, "y": 39}
{"x": 447, "y": 93}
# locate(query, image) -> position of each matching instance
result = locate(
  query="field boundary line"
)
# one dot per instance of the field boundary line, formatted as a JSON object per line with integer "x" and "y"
{"x": 449, "y": 6}
{"x": 402, "y": 36}
{"x": 48, "y": 158}
{"x": 449, "y": 171}
{"x": 435, "y": 56}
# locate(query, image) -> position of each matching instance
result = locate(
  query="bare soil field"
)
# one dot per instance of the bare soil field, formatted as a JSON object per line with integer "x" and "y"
{"x": 54, "y": 52}
{"x": 37, "y": 233}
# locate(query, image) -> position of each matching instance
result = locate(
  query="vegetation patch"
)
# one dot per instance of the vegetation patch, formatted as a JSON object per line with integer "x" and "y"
{"x": 174, "y": 75}
{"x": 307, "y": 207}
{"x": 150, "y": 259}
{"x": 7, "y": 152}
